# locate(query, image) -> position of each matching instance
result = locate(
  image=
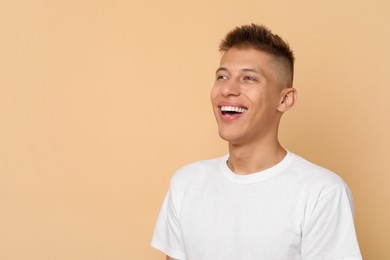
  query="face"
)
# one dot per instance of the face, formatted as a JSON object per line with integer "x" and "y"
{"x": 246, "y": 97}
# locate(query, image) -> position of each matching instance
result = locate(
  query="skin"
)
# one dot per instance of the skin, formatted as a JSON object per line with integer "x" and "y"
{"x": 249, "y": 78}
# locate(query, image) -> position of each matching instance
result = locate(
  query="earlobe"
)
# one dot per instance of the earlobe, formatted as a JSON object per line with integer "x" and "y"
{"x": 288, "y": 99}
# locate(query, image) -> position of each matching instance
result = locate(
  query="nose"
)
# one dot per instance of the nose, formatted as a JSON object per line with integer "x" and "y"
{"x": 231, "y": 88}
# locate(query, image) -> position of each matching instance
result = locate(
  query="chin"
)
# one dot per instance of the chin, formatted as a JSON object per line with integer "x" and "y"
{"x": 229, "y": 137}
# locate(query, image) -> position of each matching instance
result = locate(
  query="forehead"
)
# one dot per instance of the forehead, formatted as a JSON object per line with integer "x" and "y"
{"x": 236, "y": 58}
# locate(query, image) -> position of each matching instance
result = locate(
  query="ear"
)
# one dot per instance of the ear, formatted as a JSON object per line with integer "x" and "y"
{"x": 288, "y": 99}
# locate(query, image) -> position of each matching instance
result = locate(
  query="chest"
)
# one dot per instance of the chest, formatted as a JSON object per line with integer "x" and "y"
{"x": 229, "y": 221}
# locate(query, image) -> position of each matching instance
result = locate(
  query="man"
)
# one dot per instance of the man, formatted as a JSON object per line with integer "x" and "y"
{"x": 260, "y": 201}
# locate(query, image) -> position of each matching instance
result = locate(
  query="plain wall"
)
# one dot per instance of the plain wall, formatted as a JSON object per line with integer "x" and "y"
{"x": 101, "y": 101}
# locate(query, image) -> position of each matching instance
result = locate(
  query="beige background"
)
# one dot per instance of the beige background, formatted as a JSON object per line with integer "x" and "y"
{"x": 100, "y": 102}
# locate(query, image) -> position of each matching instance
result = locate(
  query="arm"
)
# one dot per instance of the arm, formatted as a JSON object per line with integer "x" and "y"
{"x": 167, "y": 234}
{"x": 329, "y": 232}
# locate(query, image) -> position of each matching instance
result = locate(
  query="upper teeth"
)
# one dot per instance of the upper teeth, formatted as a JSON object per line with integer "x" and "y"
{"x": 233, "y": 109}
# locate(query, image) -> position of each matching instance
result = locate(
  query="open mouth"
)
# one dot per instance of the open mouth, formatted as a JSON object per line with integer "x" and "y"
{"x": 231, "y": 110}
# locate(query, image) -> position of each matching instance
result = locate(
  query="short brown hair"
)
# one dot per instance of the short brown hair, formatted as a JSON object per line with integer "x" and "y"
{"x": 261, "y": 38}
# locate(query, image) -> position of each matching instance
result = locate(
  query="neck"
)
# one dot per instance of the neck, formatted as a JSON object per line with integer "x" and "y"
{"x": 251, "y": 158}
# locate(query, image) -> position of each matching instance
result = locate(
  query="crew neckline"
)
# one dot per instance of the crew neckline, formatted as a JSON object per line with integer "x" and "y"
{"x": 257, "y": 176}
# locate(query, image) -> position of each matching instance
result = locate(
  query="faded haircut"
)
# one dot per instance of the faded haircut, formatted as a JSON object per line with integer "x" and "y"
{"x": 261, "y": 38}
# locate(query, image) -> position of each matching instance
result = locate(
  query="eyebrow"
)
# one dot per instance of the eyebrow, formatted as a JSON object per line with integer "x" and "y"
{"x": 242, "y": 70}
{"x": 251, "y": 70}
{"x": 221, "y": 69}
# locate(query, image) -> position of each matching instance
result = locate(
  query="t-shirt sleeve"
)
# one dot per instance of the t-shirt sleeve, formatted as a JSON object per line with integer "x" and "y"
{"x": 167, "y": 234}
{"x": 329, "y": 231}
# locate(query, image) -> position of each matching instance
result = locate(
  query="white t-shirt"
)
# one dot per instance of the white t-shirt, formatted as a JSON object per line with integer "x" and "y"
{"x": 294, "y": 210}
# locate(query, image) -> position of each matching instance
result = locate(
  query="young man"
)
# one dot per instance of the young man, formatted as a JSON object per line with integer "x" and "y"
{"x": 261, "y": 201}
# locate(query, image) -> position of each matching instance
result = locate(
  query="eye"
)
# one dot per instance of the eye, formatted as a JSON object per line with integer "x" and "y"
{"x": 250, "y": 78}
{"x": 221, "y": 77}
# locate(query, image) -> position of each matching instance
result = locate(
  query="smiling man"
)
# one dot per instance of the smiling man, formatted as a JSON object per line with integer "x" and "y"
{"x": 260, "y": 201}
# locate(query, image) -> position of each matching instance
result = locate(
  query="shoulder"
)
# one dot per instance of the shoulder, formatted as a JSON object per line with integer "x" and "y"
{"x": 316, "y": 178}
{"x": 313, "y": 172}
{"x": 197, "y": 171}
{"x": 321, "y": 187}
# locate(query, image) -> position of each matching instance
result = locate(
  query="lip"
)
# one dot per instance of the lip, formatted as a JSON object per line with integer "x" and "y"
{"x": 222, "y": 104}
{"x": 230, "y": 118}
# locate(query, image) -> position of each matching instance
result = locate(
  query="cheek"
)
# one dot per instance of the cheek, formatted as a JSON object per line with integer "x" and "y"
{"x": 213, "y": 94}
